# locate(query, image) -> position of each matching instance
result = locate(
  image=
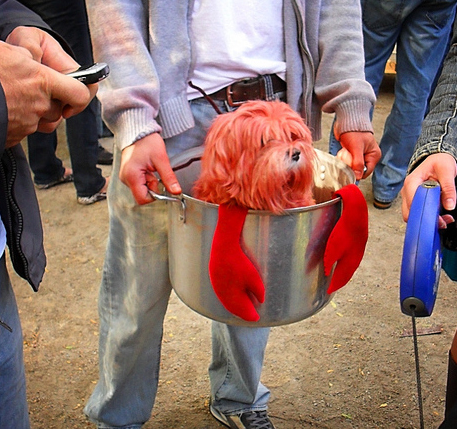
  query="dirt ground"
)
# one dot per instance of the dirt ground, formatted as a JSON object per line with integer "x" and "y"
{"x": 349, "y": 366}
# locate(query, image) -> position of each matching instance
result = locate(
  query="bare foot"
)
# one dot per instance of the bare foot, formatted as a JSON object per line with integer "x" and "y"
{"x": 105, "y": 188}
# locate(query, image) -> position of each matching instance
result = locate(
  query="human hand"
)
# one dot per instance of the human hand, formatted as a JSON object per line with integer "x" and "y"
{"x": 47, "y": 51}
{"x": 37, "y": 96}
{"x": 42, "y": 47}
{"x": 440, "y": 167}
{"x": 360, "y": 151}
{"x": 140, "y": 161}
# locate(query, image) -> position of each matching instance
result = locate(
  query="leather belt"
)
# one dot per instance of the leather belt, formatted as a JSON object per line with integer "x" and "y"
{"x": 258, "y": 88}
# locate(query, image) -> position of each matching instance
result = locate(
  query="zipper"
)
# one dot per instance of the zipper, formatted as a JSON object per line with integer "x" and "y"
{"x": 306, "y": 55}
{"x": 16, "y": 254}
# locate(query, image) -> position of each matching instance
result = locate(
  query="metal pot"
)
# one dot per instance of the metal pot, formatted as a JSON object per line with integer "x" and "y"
{"x": 288, "y": 249}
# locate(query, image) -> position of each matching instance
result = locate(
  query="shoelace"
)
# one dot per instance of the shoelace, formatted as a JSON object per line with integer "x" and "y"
{"x": 258, "y": 420}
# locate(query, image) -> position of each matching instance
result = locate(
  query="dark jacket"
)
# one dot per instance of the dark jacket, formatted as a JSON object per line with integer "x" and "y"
{"x": 19, "y": 208}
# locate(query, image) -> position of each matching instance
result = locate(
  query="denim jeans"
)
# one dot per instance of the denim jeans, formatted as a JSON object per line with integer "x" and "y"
{"x": 133, "y": 300}
{"x": 13, "y": 402}
{"x": 421, "y": 30}
{"x": 439, "y": 129}
{"x": 82, "y": 140}
{"x": 69, "y": 19}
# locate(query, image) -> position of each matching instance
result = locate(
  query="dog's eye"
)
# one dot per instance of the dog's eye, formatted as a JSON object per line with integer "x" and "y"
{"x": 262, "y": 143}
{"x": 294, "y": 155}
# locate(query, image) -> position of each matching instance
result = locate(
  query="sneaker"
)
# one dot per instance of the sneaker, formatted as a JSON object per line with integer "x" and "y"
{"x": 104, "y": 157}
{"x": 246, "y": 420}
{"x": 382, "y": 205}
{"x": 66, "y": 178}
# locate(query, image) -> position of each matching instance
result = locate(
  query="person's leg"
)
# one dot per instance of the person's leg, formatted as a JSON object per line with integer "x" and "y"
{"x": 236, "y": 367}
{"x": 45, "y": 165}
{"x": 82, "y": 139}
{"x": 69, "y": 19}
{"x": 82, "y": 129}
{"x": 13, "y": 404}
{"x": 132, "y": 303}
{"x": 238, "y": 352}
{"x": 421, "y": 47}
{"x": 450, "y": 413}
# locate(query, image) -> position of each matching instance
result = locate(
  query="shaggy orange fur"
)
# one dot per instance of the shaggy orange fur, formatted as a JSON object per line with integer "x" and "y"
{"x": 259, "y": 156}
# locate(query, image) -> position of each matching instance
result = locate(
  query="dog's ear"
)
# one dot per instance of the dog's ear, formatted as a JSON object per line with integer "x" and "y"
{"x": 223, "y": 142}
{"x": 218, "y": 161}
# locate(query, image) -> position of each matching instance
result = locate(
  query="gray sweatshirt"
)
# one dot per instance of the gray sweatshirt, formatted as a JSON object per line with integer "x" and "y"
{"x": 148, "y": 47}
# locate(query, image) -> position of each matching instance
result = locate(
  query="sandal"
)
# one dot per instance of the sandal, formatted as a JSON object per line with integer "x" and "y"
{"x": 66, "y": 178}
{"x": 98, "y": 196}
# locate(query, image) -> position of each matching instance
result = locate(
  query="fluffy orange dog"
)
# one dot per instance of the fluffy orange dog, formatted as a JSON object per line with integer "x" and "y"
{"x": 260, "y": 157}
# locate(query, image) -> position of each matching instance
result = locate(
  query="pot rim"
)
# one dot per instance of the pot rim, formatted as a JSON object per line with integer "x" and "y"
{"x": 184, "y": 197}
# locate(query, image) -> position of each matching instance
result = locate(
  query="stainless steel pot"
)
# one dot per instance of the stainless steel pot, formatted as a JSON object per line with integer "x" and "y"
{"x": 288, "y": 249}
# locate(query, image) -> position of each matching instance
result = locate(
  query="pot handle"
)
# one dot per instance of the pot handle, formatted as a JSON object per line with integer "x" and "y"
{"x": 162, "y": 197}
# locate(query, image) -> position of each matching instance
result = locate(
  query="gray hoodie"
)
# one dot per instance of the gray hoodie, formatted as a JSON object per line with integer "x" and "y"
{"x": 148, "y": 48}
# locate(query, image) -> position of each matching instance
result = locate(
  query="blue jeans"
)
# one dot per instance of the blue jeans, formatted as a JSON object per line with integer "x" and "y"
{"x": 82, "y": 140}
{"x": 133, "y": 300}
{"x": 69, "y": 19}
{"x": 421, "y": 30}
{"x": 13, "y": 400}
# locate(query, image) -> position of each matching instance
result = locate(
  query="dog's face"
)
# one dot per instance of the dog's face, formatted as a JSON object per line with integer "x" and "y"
{"x": 260, "y": 157}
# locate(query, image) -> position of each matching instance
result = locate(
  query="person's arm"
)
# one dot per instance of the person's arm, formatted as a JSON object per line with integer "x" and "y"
{"x": 340, "y": 85}
{"x": 35, "y": 96}
{"x": 435, "y": 153}
{"x": 130, "y": 97}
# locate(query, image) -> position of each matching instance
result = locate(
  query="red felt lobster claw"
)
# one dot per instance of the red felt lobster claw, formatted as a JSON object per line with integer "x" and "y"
{"x": 234, "y": 278}
{"x": 347, "y": 241}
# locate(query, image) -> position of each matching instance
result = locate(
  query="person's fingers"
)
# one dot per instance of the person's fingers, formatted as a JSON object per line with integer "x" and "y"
{"x": 45, "y": 126}
{"x": 448, "y": 196}
{"x": 446, "y": 173}
{"x": 440, "y": 167}
{"x": 70, "y": 110}
{"x": 53, "y": 113}
{"x": 43, "y": 48}
{"x": 138, "y": 186}
{"x": 345, "y": 156}
{"x": 412, "y": 182}
{"x": 364, "y": 151}
{"x": 168, "y": 178}
{"x": 139, "y": 163}
{"x": 72, "y": 94}
{"x": 358, "y": 164}
{"x": 161, "y": 163}
{"x": 370, "y": 163}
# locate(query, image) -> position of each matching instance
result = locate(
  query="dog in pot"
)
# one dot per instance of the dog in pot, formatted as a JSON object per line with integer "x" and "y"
{"x": 260, "y": 157}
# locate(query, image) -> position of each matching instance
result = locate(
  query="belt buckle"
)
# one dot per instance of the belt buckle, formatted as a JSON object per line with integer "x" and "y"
{"x": 230, "y": 102}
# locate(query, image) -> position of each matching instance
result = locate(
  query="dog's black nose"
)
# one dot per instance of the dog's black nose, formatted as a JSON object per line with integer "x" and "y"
{"x": 295, "y": 155}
